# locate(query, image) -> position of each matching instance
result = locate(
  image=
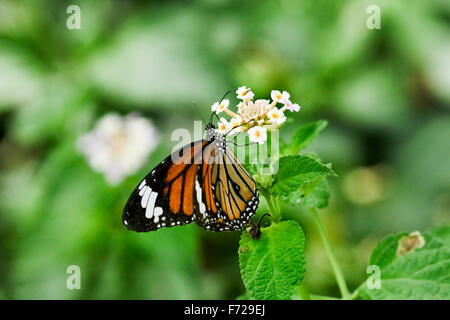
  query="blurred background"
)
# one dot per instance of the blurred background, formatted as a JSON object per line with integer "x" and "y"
{"x": 385, "y": 94}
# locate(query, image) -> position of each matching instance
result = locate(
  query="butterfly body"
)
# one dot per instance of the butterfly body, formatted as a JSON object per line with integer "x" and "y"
{"x": 203, "y": 182}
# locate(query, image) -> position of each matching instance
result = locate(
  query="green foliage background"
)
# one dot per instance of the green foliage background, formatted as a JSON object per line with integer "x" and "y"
{"x": 385, "y": 94}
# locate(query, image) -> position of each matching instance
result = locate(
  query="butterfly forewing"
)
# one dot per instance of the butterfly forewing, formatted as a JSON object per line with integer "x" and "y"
{"x": 166, "y": 196}
{"x": 202, "y": 182}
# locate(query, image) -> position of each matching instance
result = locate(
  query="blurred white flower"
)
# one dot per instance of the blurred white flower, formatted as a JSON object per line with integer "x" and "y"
{"x": 292, "y": 107}
{"x": 257, "y": 134}
{"x": 223, "y": 126}
{"x": 280, "y": 97}
{"x": 276, "y": 116}
{"x": 218, "y": 107}
{"x": 118, "y": 146}
{"x": 244, "y": 93}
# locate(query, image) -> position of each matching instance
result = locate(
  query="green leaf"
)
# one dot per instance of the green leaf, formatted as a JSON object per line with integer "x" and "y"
{"x": 296, "y": 171}
{"x": 313, "y": 195}
{"x": 419, "y": 274}
{"x": 305, "y": 135}
{"x": 443, "y": 233}
{"x": 385, "y": 251}
{"x": 274, "y": 264}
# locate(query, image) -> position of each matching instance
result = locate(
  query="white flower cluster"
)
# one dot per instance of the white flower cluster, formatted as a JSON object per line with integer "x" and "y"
{"x": 253, "y": 116}
{"x": 118, "y": 146}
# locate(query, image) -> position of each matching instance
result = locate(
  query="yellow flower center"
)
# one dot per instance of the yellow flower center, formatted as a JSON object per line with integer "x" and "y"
{"x": 118, "y": 142}
{"x": 244, "y": 93}
{"x": 278, "y": 96}
{"x": 257, "y": 134}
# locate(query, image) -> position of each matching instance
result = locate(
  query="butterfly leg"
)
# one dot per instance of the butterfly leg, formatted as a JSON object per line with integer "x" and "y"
{"x": 255, "y": 229}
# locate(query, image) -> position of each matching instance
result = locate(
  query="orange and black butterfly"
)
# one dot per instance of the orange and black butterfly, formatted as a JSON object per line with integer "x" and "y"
{"x": 202, "y": 182}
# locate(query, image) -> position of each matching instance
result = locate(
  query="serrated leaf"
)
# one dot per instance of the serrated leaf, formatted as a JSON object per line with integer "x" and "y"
{"x": 296, "y": 171}
{"x": 312, "y": 195}
{"x": 274, "y": 264}
{"x": 420, "y": 274}
{"x": 305, "y": 135}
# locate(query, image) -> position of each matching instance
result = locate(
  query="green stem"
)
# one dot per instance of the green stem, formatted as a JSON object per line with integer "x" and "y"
{"x": 354, "y": 295}
{"x": 334, "y": 264}
{"x": 274, "y": 210}
{"x": 303, "y": 292}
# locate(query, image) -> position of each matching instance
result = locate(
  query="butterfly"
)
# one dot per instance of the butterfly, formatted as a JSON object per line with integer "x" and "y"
{"x": 202, "y": 182}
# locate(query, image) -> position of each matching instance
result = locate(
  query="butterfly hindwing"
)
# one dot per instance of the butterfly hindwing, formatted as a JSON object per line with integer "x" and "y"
{"x": 230, "y": 194}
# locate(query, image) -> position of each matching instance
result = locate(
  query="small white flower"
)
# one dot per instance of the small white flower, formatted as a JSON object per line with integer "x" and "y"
{"x": 118, "y": 146}
{"x": 257, "y": 134}
{"x": 249, "y": 110}
{"x": 244, "y": 93}
{"x": 218, "y": 107}
{"x": 235, "y": 124}
{"x": 280, "y": 97}
{"x": 292, "y": 107}
{"x": 223, "y": 126}
{"x": 276, "y": 116}
{"x": 263, "y": 105}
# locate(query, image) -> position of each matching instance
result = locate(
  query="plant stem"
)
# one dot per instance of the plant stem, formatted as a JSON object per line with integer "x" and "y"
{"x": 334, "y": 264}
{"x": 354, "y": 295}
{"x": 274, "y": 210}
{"x": 303, "y": 292}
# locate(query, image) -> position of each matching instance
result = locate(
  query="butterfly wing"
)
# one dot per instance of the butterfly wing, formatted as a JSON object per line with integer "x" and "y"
{"x": 166, "y": 196}
{"x": 229, "y": 193}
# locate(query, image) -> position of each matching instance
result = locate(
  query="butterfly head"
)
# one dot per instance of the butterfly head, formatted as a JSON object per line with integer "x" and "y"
{"x": 211, "y": 132}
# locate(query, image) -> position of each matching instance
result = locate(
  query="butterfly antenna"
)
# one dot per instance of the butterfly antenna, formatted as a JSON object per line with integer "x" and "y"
{"x": 238, "y": 127}
{"x": 226, "y": 93}
{"x": 196, "y": 108}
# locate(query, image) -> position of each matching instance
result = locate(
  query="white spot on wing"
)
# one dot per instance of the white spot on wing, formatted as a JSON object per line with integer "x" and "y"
{"x": 142, "y": 184}
{"x": 157, "y": 212}
{"x": 142, "y": 190}
{"x": 151, "y": 205}
{"x": 147, "y": 191}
